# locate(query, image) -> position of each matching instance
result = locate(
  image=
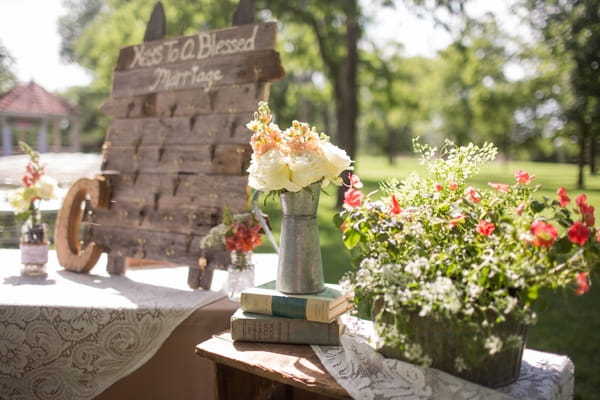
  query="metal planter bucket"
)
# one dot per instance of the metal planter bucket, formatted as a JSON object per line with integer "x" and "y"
{"x": 300, "y": 266}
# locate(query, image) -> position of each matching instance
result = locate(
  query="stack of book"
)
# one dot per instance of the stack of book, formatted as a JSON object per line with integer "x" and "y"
{"x": 267, "y": 315}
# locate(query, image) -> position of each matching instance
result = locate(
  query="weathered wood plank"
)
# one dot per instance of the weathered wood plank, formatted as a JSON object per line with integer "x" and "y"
{"x": 190, "y": 187}
{"x": 263, "y": 65}
{"x": 228, "y": 99}
{"x": 195, "y": 130}
{"x": 200, "y": 46}
{"x": 176, "y": 248}
{"x": 184, "y": 194}
{"x": 220, "y": 159}
{"x": 198, "y": 220}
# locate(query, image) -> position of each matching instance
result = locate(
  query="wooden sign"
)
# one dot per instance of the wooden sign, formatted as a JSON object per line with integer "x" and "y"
{"x": 177, "y": 148}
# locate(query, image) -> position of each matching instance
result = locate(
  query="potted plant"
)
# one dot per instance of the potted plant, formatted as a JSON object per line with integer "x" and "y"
{"x": 451, "y": 272}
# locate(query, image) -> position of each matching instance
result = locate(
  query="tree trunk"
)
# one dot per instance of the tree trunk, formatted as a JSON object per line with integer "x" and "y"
{"x": 345, "y": 87}
{"x": 583, "y": 138}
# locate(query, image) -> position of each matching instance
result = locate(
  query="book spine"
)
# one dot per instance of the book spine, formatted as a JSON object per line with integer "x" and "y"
{"x": 288, "y": 307}
{"x": 285, "y": 330}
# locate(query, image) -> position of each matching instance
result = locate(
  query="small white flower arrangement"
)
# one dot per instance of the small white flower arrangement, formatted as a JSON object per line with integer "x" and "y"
{"x": 36, "y": 186}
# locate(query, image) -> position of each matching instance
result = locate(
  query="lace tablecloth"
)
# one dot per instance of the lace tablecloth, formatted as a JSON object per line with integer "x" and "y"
{"x": 70, "y": 335}
{"x": 367, "y": 375}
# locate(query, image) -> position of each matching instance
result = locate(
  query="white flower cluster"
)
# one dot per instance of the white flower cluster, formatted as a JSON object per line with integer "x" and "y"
{"x": 293, "y": 159}
{"x": 44, "y": 189}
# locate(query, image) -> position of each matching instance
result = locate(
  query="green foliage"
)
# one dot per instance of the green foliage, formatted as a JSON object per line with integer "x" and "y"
{"x": 438, "y": 247}
{"x": 567, "y": 324}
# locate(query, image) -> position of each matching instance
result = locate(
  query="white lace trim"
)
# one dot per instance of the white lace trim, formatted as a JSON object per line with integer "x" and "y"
{"x": 365, "y": 374}
{"x": 71, "y": 336}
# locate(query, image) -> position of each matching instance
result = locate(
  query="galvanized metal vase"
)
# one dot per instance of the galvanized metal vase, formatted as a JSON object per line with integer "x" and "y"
{"x": 300, "y": 267}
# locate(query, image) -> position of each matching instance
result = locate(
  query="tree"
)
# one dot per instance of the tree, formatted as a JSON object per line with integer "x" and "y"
{"x": 7, "y": 76}
{"x": 394, "y": 98}
{"x": 571, "y": 30}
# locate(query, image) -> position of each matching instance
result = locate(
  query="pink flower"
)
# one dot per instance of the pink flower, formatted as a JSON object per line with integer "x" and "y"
{"x": 352, "y": 198}
{"x": 453, "y": 186}
{"x": 500, "y": 187}
{"x": 583, "y": 284}
{"x": 395, "y": 209}
{"x": 520, "y": 208}
{"x": 438, "y": 187}
{"x": 485, "y": 227}
{"x": 563, "y": 199}
{"x": 473, "y": 194}
{"x": 578, "y": 233}
{"x": 523, "y": 177}
{"x": 456, "y": 220}
{"x": 587, "y": 211}
{"x": 355, "y": 181}
{"x": 545, "y": 234}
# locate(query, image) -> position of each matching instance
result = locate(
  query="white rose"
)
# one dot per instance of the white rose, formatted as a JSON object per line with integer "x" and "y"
{"x": 18, "y": 200}
{"x": 337, "y": 162}
{"x": 46, "y": 188}
{"x": 270, "y": 172}
{"x": 307, "y": 167}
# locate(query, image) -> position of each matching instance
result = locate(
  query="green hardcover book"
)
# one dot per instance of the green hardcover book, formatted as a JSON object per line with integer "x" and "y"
{"x": 325, "y": 306}
{"x": 252, "y": 327}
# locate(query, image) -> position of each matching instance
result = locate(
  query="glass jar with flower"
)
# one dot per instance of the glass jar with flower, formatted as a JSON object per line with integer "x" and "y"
{"x": 239, "y": 234}
{"x": 295, "y": 164}
{"x": 36, "y": 187}
{"x": 451, "y": 272}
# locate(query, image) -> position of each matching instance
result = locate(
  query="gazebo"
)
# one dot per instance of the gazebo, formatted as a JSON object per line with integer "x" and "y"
{"x": 30, "y": 107}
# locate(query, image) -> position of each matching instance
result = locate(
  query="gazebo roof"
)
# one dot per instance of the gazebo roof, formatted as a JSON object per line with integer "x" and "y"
{"x": 33, "y": 100}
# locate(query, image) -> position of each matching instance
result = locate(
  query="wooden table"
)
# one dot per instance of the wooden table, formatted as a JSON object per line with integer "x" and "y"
{"x": 245, "y": 370}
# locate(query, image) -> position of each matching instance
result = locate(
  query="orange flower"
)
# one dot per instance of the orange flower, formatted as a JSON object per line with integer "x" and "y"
{"x": 523, "y": 177}
{"x": 500, "y": 187}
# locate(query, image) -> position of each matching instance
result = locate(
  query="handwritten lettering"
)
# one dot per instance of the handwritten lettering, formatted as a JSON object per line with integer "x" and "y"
{"x": 193, "y": 77}
{"x": 201, "y": 46}
{"x": 146, "y": 57}
{"x": 210, "y": 46}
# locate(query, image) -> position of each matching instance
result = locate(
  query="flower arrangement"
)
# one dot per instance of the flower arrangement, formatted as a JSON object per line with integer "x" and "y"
{"x": 36, "y": 186}
{"x": 239, "y": 233}
{"x": 437, "y": 247}
{"x": 293, "y": 159}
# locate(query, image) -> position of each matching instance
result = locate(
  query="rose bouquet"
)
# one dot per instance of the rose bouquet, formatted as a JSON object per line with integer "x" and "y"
{"x": 436, "y": 247}
{"x": 293, "y": 159}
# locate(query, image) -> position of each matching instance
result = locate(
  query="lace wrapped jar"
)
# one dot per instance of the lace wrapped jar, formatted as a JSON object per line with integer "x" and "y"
{"x": 34, "y": 245}
{"x": 240, "y": 273}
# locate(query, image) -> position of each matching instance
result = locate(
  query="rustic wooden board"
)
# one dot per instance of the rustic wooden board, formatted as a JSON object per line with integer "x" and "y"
{"x": 177, "y": 248}
{"x": 194, "y": 130}
{"x": 294, "y": 365}
{"x": 206, "y": 74}
{"x": 220, "y": 159}
{"x": 177, "y": 149}
{"x": 227, "y": 99}
{"x": 198, "y": 220}
{"x": 200, "y": 46}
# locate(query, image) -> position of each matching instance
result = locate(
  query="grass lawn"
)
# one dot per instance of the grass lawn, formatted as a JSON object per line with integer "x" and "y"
{"x": 568, "y": 324}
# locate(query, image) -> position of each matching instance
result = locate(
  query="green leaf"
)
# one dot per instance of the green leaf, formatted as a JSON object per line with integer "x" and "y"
{"x": 351, "y": 238}
{"x": 532, "y": 293}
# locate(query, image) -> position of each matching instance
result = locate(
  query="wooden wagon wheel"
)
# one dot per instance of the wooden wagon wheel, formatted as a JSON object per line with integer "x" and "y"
{"x": 71, "y": 254}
